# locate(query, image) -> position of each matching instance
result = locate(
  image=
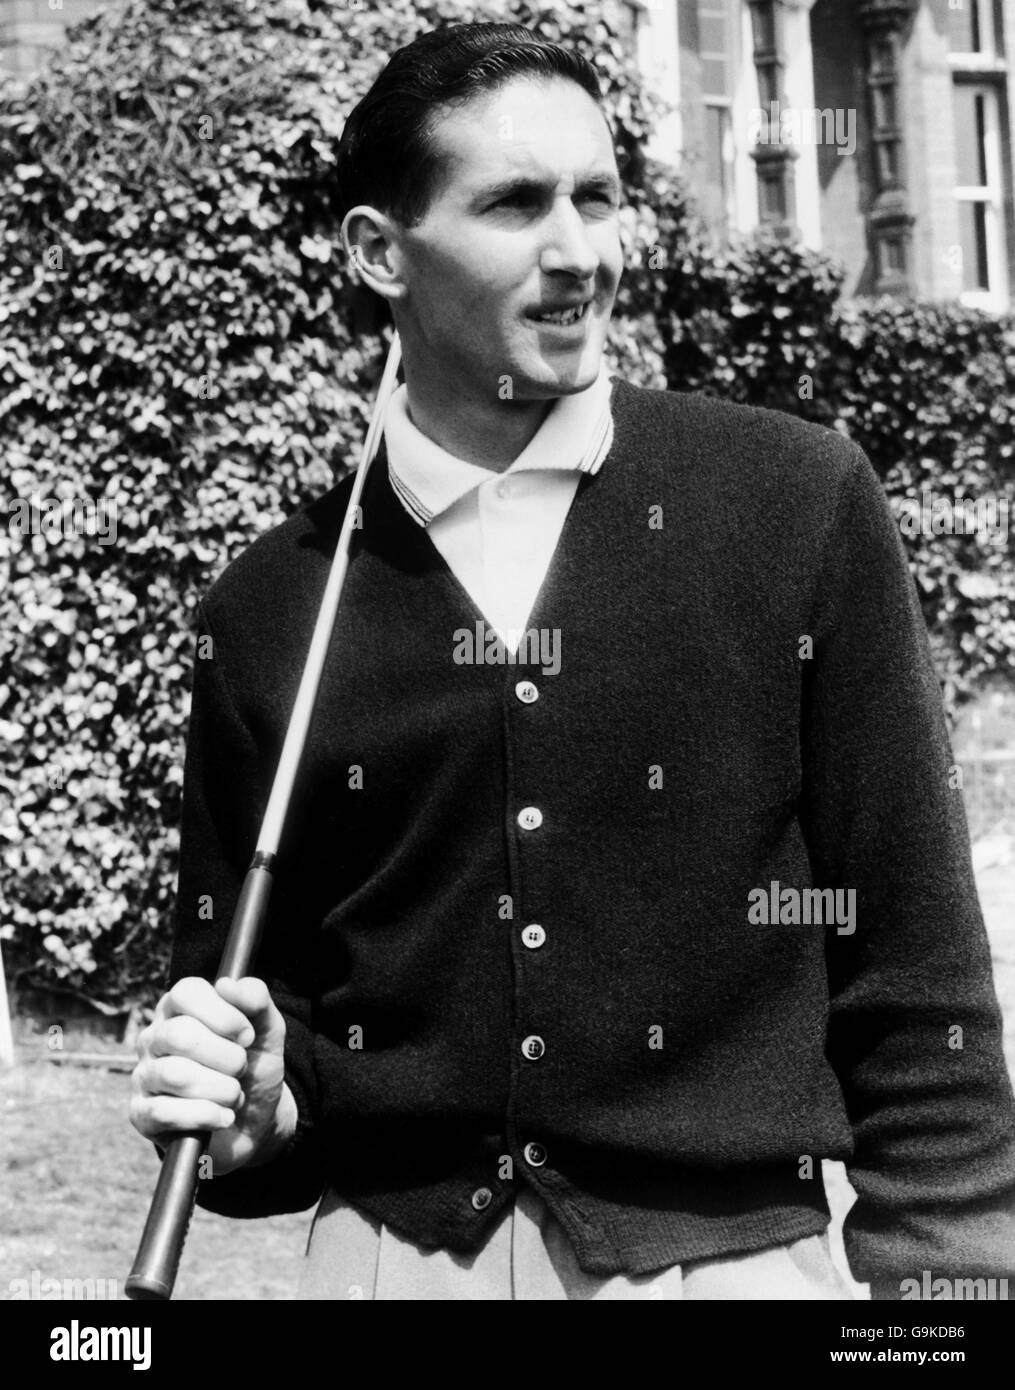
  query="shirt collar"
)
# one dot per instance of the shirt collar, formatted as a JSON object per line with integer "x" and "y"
{"x": 576, "y": 435}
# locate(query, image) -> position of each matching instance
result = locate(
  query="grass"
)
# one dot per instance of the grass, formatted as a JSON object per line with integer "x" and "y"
{"x": 77, "y": 1179}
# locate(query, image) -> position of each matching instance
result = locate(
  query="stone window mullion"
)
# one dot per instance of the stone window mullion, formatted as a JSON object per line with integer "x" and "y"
{"x": 891, "y": 219}
{"x": 772, "y": 155}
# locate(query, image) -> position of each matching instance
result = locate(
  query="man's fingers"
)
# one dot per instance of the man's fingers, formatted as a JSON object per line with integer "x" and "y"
{"x": 178, "y": 1076}
{"x": 196, "y": 998}
{"x": 210, "y": 1052}
{"x": 186, "y": 1037}
{"x": 155, "y": 1116}
{"x": 250, "y": 996}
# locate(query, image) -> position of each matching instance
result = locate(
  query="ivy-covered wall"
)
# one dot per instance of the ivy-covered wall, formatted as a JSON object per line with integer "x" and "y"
{"x": 184, "y": 359}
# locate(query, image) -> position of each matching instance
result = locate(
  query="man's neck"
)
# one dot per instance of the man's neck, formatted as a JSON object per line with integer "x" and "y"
{"x": 491, "y": 439}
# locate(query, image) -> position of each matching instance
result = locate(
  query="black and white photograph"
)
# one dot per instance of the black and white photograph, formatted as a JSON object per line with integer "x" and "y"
{"x": 507, "y": 668}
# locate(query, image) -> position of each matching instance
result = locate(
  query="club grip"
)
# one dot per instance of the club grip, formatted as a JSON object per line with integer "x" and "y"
{"x": 158, "y": 1256}
{"x": 154, "y": 1270}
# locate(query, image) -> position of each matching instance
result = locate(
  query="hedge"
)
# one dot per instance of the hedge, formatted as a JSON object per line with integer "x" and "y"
{"x": 180, "y": 338}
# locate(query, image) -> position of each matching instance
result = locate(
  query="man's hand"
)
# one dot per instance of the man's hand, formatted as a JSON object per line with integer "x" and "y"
{"x": 212, "y": 1059}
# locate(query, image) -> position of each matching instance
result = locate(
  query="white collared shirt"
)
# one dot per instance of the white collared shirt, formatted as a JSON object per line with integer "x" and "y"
{"x": 498, "y": 531}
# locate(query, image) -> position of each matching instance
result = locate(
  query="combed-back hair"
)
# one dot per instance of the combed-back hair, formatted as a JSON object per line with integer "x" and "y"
{"x": 387, "y": 156}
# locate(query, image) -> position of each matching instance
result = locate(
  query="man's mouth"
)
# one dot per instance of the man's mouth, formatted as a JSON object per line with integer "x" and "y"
{"x": 564, "y": 318}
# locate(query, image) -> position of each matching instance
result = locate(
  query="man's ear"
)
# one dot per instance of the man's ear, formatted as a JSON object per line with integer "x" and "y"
{"x": 371, "y": 243}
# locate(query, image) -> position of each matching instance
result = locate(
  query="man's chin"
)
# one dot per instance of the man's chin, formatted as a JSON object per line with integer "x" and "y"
{"x": 566, "y": 377}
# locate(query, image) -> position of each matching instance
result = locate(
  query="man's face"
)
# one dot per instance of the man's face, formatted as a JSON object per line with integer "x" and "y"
{"x": 523, "y": 222}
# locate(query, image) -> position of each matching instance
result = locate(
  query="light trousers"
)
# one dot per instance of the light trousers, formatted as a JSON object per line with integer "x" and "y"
{"x": 527, "y": 1255}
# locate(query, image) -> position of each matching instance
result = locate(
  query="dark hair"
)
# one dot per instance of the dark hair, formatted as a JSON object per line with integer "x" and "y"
{"x": 387, "y": 156}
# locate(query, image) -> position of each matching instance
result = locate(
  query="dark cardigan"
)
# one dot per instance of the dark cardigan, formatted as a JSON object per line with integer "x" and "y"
{"x": 693, "y": 1057}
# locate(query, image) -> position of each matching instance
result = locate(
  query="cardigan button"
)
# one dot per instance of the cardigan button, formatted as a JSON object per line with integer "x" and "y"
{"x": 535, "y": 1155}
{"x": 530, "y": 817}
{"x": 481, "y": 1198}
{"x": 533, "y": 1047}
{"x": 526, "y": 692}
{"x": 533, "y": 936}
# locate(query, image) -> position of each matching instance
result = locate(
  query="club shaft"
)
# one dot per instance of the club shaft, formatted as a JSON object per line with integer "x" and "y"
{"x": 153, "y": 1274}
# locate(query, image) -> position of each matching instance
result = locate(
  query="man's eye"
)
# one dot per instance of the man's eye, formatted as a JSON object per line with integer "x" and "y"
{"x": 524, "y": 198}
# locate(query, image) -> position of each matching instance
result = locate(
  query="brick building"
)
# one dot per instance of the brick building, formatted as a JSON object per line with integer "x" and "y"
{"x": 876, "y": 130}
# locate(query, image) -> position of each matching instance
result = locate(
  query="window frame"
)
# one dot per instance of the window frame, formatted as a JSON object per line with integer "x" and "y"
{"x": 985, "y": 72}
{"x": 726, "y": 194}
{"x": 991, "y": 23}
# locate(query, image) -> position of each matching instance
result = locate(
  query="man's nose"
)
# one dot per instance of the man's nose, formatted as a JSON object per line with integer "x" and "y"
{"x": 567, "y": 247}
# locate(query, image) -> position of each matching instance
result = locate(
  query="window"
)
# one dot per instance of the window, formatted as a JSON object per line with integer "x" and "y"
{"x": 717, "y": 29}
{"x": 973, "y": 27}
{"x": 982, "y": 190}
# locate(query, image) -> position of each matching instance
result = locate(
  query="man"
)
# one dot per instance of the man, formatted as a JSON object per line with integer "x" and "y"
{"x": 625, "y": 879}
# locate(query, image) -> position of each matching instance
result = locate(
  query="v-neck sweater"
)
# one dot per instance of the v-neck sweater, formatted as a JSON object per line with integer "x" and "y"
{"x": 745, "y": 706}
